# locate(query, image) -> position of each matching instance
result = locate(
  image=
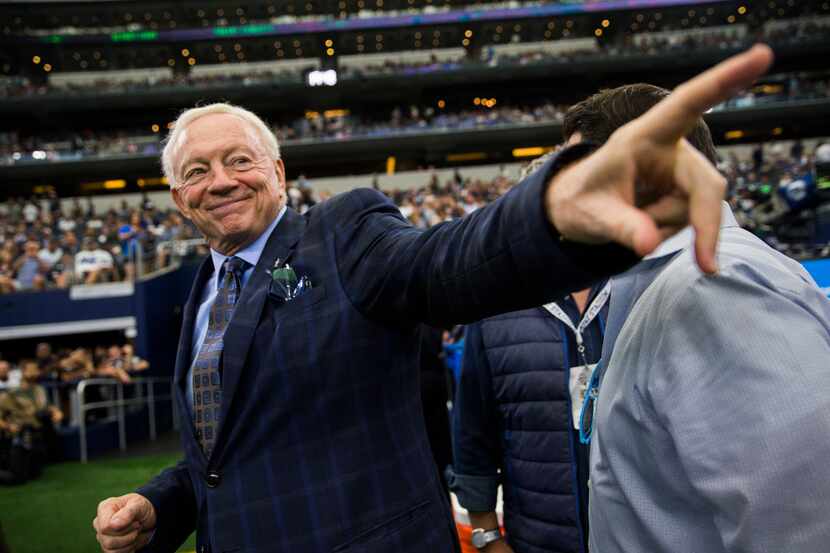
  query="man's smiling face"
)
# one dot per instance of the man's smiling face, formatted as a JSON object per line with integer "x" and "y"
{"x": 226, "y": 183}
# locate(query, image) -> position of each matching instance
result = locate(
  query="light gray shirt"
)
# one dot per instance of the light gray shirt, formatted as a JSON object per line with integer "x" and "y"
{"x": 712, "y": 426}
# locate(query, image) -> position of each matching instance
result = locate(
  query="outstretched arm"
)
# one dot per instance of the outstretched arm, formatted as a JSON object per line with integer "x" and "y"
{"x": 594, "y": 200}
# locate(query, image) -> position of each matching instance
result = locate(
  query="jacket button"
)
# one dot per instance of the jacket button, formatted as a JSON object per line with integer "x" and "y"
{"x": 212, "y": 479}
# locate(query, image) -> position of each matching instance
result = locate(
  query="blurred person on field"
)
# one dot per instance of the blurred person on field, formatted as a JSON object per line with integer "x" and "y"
{"x": 31, "y": 388}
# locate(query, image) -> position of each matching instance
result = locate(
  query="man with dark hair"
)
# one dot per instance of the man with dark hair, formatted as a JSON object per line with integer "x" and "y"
{"x": 523, "y": 380}
{"x": 708, "y": 416}
{"x": 598, "y": 116}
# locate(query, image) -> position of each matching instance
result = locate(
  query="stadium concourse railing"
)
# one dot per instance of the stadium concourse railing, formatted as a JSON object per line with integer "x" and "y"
{"x": 172, "y": 251}
{"x": 114, "y": 400}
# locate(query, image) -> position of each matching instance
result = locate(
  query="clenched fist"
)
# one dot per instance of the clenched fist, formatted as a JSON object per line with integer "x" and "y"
{"x": 124, "y": 524}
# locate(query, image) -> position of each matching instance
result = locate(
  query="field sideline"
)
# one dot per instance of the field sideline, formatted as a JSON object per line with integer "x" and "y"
{"x": 54, "y": 513}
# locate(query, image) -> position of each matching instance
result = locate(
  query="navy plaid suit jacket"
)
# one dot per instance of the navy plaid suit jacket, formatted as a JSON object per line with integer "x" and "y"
{"x": 322, "y": 445}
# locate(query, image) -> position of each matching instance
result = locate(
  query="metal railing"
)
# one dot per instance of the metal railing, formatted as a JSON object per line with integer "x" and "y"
{"x": 145, "y": 394}
{"x": 149, "y": 263}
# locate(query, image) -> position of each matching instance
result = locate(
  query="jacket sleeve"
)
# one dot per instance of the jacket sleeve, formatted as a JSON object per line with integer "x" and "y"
{"x": 477, "y": 452}
{"x": 503, "y": 257}
{"x": 171, "y": 493}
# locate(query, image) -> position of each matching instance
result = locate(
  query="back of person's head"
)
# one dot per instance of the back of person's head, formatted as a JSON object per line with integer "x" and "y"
{"x": 598, "y": 116}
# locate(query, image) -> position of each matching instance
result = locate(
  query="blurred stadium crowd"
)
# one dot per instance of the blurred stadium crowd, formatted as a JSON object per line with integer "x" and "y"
{"x": 640, "y": 44}
{"x": 18, "y": 148}
{"x": 45, "y": 244}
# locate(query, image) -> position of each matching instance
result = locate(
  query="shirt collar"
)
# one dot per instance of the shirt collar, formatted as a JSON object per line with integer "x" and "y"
{"x": 685, "y": 238}
{"x": 250, "y": 253}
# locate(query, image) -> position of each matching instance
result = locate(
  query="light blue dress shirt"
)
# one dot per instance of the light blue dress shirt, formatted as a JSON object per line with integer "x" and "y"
{"x": 712, "y": 425}
{"x": 251, "y": 253}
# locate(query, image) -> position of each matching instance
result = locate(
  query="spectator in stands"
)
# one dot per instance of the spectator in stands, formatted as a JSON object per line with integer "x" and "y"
{"x": 30, "y": 212}
{"x": 63, "y": 272}
{"x": 6, "y": 270}
{"x": 17, "y": 426}
{"x": 132, "y": 362}
{"x": 66, "y": 223}
{"x": 69, "y": 242}
{"x": 113, "y": 365}
{"x": 94, "y": 264}
{"x": 29, "y": 270}
{"x": 131, "y": 235}
{"x": 9, "y": 377}
{"x": 47, "y": 362}
{"x": 77, "y": 365}
{"x": 50, "y": 254}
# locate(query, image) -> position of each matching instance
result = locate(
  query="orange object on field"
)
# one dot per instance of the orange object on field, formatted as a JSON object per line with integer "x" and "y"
{"x": 462, "y": 524}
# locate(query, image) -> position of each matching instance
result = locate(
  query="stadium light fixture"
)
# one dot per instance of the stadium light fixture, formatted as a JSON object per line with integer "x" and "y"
{"x": 533, "y": 151}
{"x": 322, "y": 78}
{"x": 115, "y": 184}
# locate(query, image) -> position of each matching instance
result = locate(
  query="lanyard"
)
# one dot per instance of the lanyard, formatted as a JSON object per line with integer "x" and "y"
{"x": 590, "y": 314}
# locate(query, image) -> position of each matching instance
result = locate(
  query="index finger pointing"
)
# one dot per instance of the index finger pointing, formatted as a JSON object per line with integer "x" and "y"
{"x": 675, "y": 116}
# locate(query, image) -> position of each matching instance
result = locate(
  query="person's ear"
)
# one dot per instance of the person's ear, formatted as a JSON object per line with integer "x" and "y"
{"x": 180, "y": 203}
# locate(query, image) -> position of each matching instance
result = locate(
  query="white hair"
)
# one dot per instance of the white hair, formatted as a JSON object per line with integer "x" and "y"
{"x": 178, "y": 134}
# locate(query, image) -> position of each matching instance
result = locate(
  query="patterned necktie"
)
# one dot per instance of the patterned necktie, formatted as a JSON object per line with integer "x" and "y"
{"x": 207, "y": 387}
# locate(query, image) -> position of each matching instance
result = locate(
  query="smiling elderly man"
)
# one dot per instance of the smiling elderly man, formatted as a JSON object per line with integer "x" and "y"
{"x": 297, "y": 364}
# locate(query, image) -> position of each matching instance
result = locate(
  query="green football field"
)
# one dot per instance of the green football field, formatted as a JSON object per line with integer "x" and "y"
{"x": 54, "y": 513}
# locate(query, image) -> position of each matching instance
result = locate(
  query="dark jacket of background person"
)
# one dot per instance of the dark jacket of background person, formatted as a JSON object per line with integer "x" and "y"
{"x": 512, "y": 413}
{"x": 435, "y": 392}
{"x": 321, "y": 445}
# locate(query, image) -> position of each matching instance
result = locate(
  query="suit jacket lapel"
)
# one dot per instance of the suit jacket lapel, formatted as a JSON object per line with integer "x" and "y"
{"x": 241, "y": 329}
